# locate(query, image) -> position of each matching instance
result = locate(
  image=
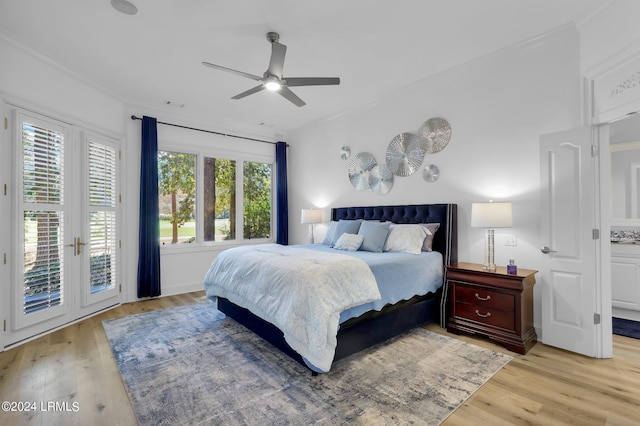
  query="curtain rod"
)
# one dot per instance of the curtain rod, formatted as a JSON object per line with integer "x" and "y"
{"x": 133, "y": 117}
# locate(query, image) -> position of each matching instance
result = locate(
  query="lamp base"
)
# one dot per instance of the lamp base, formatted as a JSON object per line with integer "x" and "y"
{"x": 489, "y": 263}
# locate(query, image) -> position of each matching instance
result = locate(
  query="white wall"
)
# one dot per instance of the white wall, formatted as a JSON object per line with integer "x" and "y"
{"x": 497, "y": 106}
{"x": 610, "y": 32}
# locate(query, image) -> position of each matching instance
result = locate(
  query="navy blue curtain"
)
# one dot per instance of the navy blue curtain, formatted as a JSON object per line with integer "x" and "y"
{"x": 149, "y": 231}
{"x": 282, "y": 203}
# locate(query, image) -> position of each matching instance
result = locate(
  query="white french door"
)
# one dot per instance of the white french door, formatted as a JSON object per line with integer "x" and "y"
{"x": 65, "y": 214}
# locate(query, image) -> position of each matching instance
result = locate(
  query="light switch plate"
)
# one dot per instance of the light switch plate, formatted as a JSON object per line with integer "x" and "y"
{"x": 510, "y": 240}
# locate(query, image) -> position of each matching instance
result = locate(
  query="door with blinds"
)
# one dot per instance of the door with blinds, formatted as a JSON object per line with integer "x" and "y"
{"x": 66, "y": 225}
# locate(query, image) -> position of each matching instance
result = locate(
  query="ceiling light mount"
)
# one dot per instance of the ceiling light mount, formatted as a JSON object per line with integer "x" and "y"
{"x": 273, "y": 37}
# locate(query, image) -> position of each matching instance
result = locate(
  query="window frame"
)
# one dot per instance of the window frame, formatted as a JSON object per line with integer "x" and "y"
{"x": 239, "y": 157}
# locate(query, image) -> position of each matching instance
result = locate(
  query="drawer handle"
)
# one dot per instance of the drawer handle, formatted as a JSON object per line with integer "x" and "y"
{"x": 483, "y": 298}
{"x": 487, "y": 315}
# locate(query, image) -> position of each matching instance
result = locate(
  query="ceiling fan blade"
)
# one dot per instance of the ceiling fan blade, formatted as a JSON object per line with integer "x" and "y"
{"x": 312, "y": 81}
{"x": 249, "y": 92}
{"x": 276, "y": 64}
{"x": 240, "y": 73}
{"x": 284, "y": 91}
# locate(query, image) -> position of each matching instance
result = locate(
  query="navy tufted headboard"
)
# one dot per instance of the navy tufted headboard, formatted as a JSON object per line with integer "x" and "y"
{"x": 445, "y": 240}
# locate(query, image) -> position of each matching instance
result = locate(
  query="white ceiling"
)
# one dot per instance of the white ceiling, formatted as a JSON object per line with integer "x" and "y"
{"x": 373, "y": 46}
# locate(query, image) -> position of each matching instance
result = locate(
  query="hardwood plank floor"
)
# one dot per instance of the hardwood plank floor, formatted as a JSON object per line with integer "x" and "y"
{"x": 547, "y": 386}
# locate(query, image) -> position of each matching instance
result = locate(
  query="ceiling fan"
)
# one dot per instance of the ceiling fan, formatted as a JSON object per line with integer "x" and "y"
{"x": 272, "y": 78}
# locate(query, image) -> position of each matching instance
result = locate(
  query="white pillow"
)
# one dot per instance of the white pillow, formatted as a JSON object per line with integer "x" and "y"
{"x": 349, "y": 242}
{"x": 406, "y": 238}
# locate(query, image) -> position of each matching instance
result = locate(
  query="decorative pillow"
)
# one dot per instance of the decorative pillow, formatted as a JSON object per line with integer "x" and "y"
{"x": 374, "y": 234}
{"x": 348, "y": 226}
{"x": 428, "y": 241}
{"x": 406, "y": 238}
{"x": 349, "y": 242}
{"x": 328, "y": 236}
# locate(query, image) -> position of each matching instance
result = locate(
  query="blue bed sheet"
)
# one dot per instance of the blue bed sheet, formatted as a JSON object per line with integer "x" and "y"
{"x": 400, "y": 276}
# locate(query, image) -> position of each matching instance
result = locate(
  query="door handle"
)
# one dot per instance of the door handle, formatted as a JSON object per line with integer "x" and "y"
{"x": 78, "y": 245}
{"x": 547, "y": 250}
{"x": 74, "y": 246}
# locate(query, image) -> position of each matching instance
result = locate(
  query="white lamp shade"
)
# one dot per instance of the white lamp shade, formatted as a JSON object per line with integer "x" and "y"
{"x": 311, "y": 216}
{"x": 491, "y": 215}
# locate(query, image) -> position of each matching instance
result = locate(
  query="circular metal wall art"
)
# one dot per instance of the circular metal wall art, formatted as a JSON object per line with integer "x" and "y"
{"x": 431, "y": 173}
{"x": 359, "y": 169}
{"x": 437, "y": 132}
{"x": 405, "y": 153}
{"x": 345, "y": 152}
{"x": 380, "y": 179}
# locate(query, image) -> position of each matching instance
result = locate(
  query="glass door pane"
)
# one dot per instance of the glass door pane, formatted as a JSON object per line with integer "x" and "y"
{"x": 43, "y": 292}
{"x": 102, "y": 244}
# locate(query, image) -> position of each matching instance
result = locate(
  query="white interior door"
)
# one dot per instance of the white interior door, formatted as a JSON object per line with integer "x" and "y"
{"x": 65, "y": 237}
{"x": 569, "y": 234}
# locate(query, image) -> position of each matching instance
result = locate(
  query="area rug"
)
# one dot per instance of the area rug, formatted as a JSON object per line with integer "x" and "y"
{"x": 192, "y": 365}
{"x": 625, "y": 327}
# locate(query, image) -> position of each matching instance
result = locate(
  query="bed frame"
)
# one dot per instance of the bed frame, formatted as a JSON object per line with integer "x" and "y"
{"x": 372, "y": 328}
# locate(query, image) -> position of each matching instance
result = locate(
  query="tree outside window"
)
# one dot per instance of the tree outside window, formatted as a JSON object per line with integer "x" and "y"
{"x": 177, "y": 196}
{"x": 257, "y": 200}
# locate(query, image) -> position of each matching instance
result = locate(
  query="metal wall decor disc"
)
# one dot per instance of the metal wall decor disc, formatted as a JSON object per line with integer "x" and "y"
{"x": 345, "y": 152}
{"x": 437, "y": 132}
{"x": 359, "y": 169}
{"x": 405, "y": 153}
{"x": 431, "y": 173}
{"x": 381, "y": 179}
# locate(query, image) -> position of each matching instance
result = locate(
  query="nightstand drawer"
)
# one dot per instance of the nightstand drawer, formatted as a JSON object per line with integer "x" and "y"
{"x": 482, "y": 297}
{"x": 485, "y": 315}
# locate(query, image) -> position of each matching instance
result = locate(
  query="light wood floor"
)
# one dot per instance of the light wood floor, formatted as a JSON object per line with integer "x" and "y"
{"x": 547, "y": 386}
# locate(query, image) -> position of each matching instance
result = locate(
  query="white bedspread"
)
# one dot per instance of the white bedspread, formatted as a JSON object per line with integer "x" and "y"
{"x": 300, "y": 291}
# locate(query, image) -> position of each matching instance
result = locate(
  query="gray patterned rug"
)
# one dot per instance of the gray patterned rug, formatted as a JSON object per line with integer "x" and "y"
{"x": 191, "y": 365}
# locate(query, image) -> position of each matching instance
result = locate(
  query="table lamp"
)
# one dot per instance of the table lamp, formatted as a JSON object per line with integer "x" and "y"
{"x": 311, "y": 216}
{"x": 490, "y": 216}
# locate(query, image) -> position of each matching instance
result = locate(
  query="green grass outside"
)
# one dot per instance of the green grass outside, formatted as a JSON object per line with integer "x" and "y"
{"x": 186, "y": 230}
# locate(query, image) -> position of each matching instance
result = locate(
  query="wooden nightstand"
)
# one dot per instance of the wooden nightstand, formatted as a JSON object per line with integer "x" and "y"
{"x": 493, "y": 304}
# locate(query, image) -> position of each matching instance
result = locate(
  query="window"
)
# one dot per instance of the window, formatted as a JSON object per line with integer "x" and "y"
{"x": 257, "y": 200}
{"x": 177, "y": 197}
{"x": 219, "y": 199}
{"x": 204, "y": 206}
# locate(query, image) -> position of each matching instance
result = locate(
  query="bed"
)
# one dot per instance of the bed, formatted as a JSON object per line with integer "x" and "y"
{"x": 361, "y": 325}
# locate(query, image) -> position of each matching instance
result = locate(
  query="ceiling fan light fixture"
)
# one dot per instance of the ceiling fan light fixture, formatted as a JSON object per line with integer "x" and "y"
{"x": 272, "y": 85}
{"x": 123, "y": 6}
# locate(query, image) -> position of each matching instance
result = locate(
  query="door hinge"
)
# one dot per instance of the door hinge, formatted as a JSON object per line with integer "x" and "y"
{"x": 5, "y": 325}
{"x": 6, "y": 123}
{"x": 596, "y": 318}
{"x": 120, "y": 198}
{"x": 595, "y": 151}
{"x": 5, "y": 258}
{"x": 119, "y": 154}
{"x": 5, "y": 189}
{"x": 119, "y": 244}
{"x": 120, "y": 288}
{"x": 595, "y": 234}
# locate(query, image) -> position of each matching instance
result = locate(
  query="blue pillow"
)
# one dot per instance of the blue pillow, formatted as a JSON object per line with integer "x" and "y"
{"x": 343, "y": 227}
{"x": 328, "y": 236}
{"x": 374, "y": 234}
